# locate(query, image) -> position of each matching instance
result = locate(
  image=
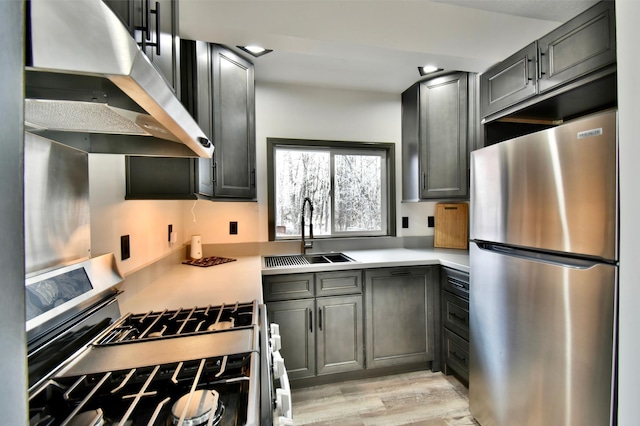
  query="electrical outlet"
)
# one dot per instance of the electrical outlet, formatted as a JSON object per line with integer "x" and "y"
{"x": 233, "y": 228}
{"x": 125, "y": 252}
{"x": 431, "y": 221}
{"x": 405, "y": 222}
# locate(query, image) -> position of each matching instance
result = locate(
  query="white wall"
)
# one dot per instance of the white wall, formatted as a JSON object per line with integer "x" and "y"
{"x": 145, "y": 222}
{"x": 628, "y": 35}
{"x": 301, "y": 112}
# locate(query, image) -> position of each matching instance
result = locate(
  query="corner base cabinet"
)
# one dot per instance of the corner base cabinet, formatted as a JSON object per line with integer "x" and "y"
{"x": 400, "y": 321}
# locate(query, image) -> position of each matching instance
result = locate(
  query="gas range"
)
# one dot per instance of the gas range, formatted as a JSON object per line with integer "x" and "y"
{"x": 154, "y": 383}
{"x": 204, "y": 365}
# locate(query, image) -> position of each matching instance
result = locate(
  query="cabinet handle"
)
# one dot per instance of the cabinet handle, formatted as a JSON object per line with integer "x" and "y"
{"x": 458, "y": 317}
{"x": 144, "y": 28}
{"x": 157, "y": 12}
{"x": 253, "y": 178}
{"x": 310, "y": 321}
{"x": 399, "y": 273}
{"x": 156, "y": 44}
{"x": 527, "y": 76}
{"x": 215, "y": 170}
{"x": 540, "y": 55}
{"x": 424, "y": 181}
{"x": 147, "y": 19}
{"x": 320, "y": 319}
{"x": 456, "y": 283}
{"x": 458, "y": 357}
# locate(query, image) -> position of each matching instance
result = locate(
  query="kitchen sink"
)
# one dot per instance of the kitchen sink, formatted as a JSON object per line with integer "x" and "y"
{"x": 305, "y": 259}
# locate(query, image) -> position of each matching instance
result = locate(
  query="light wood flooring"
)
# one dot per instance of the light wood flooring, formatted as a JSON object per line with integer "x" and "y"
{"x": 418, "y": 398}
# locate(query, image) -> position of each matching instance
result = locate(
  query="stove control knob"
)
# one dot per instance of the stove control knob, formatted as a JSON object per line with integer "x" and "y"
{"x": 284, "y": 421}
{"x": 275, "y": 328}
{"x": 283, "y": 401}
{"x": 276, "y": 342}
{"x": 278, "y": 365}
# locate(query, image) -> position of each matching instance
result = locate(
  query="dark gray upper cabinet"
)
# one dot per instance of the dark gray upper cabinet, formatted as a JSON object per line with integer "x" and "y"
{"x": 435, "y": 128}
{"x": 234, "y": 135}
{"x": 509, "y": 82}
{"x": 154, "y": 26}
{"x": 564, "y": 74}
{"x": 584, "y": 44}
{"x": 218, "y": 91}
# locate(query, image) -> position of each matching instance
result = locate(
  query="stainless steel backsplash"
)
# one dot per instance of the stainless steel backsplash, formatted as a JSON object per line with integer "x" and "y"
{"x": 57, "y": 220}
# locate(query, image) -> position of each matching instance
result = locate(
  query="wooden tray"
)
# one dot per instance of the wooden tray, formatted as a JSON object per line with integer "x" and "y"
{"x": 451, "y": 226}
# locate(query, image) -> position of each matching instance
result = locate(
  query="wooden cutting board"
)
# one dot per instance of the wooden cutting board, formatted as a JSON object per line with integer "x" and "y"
{"x": 451, "y": 225}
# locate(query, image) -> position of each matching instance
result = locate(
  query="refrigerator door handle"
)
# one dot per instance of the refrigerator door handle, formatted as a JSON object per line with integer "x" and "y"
{"x": 558, "y": 260}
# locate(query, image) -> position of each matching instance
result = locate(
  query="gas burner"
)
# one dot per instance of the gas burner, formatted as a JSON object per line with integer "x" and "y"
{"x": 198, "y": 408}
{"x": 88, "y": 418}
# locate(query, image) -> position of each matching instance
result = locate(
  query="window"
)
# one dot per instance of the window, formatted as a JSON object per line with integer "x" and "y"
{"x": 349, "y": 185}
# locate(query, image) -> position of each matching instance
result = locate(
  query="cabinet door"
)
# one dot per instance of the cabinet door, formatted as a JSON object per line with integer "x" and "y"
{"x": 400, "y": 320}
{"x": 340, "y": 334}
{"x": 509, "y": 82}
{"x": 443, "y": 114}
{"x": 297, "y": 320}
{"x": 233, "y": 124}
{"x": 584, "y": 44}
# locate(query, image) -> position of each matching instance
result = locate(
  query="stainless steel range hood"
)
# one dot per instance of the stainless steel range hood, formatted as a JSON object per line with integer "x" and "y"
{"x": 89, "y": 85}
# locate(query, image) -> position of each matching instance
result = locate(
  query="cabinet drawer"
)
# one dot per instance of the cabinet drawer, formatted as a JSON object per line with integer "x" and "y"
{"x": 455, "y": 282}
{"x": 287, "y": 287}
{"x": 455, "y": 314}
{"x": 456, "y": 353}
{"x": 339, "y": 282}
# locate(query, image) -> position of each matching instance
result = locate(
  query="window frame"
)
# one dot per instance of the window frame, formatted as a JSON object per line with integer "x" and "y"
{"x": 335, "y": 146}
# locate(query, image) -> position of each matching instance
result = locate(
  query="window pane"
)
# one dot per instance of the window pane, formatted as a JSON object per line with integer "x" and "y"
{"x": 302, "y": 173}
{"x": 358, "y": 193}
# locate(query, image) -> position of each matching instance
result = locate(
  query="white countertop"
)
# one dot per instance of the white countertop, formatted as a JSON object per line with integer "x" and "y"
{"x": 186, "y": 286}
{"x": 385, "y": 258}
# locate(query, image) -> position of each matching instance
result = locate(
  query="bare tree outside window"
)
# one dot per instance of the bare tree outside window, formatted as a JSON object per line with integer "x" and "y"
{"x": 299, "y": 174}
{"x": 347, "y": 189}
{"x": 358, "y": 193}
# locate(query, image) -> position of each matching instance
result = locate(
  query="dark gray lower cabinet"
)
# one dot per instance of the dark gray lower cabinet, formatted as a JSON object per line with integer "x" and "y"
{"x": 455, "y": 322}
{"x": 340, "y": 339}
{"x": 321, "y": 321}
{"x": 296, "y": 318}
{"x": 400, "y": 321}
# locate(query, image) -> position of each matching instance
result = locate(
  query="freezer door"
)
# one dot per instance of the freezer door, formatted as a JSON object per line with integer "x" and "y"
{"x": 554, "y": 190}
{"x": 542, "y": 340}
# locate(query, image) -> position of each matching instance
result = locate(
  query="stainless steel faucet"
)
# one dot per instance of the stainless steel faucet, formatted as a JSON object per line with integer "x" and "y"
{"x": 307, "y": 244}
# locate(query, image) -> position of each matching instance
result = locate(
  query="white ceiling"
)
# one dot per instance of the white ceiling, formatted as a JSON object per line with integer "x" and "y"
{"x": 373, "y": 44}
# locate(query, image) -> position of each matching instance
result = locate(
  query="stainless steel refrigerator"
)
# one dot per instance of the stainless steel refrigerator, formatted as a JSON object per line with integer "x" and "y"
{"x": 543, "y": 289}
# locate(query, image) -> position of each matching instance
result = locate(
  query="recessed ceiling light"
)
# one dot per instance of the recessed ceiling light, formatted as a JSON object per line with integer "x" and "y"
{"x": 428, "y": 69}
{"x": 254, "y": 50}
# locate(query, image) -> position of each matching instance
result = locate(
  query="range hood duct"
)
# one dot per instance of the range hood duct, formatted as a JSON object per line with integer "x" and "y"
{"x": 88, "y": 85}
